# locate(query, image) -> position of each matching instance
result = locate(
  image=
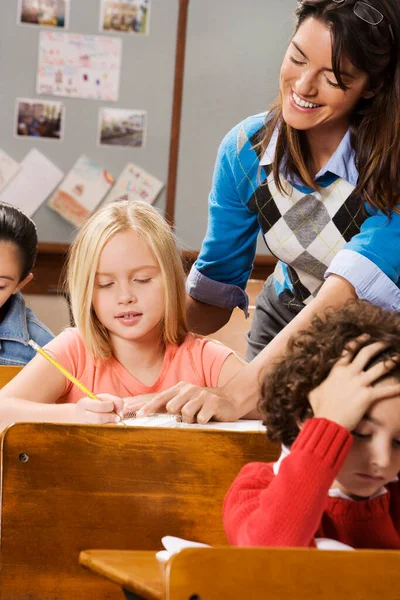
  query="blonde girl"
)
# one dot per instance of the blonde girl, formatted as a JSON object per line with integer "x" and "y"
{"x": 127, "y": 290}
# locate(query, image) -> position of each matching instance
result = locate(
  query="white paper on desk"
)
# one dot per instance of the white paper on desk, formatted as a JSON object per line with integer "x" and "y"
{"x": 173, "y": 545}
{"x": 8, "y": 168}
{"x": 329, "y": 544}
{"x": 165, "y": 420}
{"x": 241, "y": 425}
{"x": 34, "y": 182}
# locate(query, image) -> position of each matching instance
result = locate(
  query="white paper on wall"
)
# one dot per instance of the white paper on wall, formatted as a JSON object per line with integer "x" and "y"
{"x": 82, "y": 190}
{"x": 135, "y": 183}
{"x": 36, "y": 179}
{"x": 79, "y": 66}
{"x": 8, "y": 168}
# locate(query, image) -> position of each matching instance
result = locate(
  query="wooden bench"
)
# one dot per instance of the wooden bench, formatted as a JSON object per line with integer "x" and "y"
{"x": 65, "y": 488}
{"x": 252, "y": 573}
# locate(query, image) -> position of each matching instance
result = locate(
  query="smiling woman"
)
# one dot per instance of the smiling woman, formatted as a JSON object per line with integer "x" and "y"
{"x": 318, "y": 176}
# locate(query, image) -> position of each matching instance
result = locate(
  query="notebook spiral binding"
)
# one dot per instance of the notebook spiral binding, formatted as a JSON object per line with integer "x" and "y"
{"x": 133, "y": 415}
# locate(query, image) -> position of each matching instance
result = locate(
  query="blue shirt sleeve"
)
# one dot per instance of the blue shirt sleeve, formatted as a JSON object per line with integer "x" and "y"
{"x": 228, "y": 250}
{"x": 370, "y": 261}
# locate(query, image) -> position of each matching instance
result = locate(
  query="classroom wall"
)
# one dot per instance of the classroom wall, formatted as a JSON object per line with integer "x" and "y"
{"x": 234, "y": 51}
{"x": 51, "y": 310}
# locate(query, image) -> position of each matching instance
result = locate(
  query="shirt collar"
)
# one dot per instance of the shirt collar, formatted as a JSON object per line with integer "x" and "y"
{"x": 341, "y": 163}
{"x": 14, "y": 326}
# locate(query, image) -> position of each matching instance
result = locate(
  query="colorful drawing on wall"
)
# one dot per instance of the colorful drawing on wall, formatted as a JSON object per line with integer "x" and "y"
{"x": 122, "y": 127}
{"x": 39, "y": 118}
{"x": 45, "y": 13}
{"x": 79, "y": 66}
{"x": 82, "y": 190}
{"x": 127, "y": 16}
{"x": 8, "y": 168}
{"x": 135, "y": 183}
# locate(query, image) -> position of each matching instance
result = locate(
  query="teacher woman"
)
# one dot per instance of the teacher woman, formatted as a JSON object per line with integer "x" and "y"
{"x": 319, "y": 173}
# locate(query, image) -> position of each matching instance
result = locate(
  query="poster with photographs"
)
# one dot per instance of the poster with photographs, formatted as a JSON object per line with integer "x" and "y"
{"x": 125, "y": 16}
{"x": 45, "y": 13}
{"x": 135, "y": 183}
{"x": 82, "y": 190}
{"x": 122, "y": 127}
{"x": 39, "y": 119}
{"x": 79, "y": 66}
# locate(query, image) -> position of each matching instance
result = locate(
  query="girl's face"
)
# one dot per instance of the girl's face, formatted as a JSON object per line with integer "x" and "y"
{"x": 374, "y": 458}
{"x": 10, "y": 271}
{"x": 128, "y": 295}
{"x": 311, "y": 98}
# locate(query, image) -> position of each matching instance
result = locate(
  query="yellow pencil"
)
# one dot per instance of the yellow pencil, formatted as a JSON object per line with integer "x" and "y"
{"x": 62, "y": 370}
{"x": 85, "y": 390}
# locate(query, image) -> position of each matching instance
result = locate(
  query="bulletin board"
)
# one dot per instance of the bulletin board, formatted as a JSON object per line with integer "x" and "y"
{"x": 146, "y": 83}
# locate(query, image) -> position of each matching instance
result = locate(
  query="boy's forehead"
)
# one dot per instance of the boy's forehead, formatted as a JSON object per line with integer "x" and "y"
{"x": 386, "y": 412}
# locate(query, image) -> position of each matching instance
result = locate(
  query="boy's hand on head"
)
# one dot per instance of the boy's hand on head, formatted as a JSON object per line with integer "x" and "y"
{"x": 95, "y": 412}
{"x": 346, "y": 395}
{"x": 194, "y": 403}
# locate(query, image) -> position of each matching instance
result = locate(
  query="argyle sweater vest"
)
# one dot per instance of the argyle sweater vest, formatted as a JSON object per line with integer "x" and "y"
{"x": 303, "y": 230}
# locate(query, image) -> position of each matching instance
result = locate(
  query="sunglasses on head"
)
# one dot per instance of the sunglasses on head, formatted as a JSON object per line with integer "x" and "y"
{"x": 367, "y": 13}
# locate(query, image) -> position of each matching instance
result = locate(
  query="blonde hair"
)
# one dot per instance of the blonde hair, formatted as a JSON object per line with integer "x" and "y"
{"x": 84, "y": 257}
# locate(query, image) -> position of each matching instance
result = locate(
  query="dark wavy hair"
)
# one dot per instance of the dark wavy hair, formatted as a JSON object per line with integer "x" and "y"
{"x": 311, "y": 355}
{"x": 16, "y": 227}
{"x": 375, "y": 122}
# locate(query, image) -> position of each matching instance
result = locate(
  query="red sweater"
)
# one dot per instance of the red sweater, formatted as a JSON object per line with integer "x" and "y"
{"x": 293, "y": 507}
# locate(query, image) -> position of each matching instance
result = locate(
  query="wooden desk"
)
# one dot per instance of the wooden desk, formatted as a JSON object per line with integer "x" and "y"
{"x": 252, "y": 574}
{"x": 65, "y": 488}
{"x": 138, "y": 572}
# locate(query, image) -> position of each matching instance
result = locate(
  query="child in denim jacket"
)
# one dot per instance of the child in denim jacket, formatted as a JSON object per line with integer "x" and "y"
{"x": 18, "y": 324}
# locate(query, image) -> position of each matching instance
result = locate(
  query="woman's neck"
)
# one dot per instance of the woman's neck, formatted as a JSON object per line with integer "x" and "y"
{"x": 323, "y": 144}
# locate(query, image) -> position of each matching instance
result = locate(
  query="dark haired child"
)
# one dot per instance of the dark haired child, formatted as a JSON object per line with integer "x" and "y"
{"x": 333, "y": 402}
{"x": 18, "y": 248}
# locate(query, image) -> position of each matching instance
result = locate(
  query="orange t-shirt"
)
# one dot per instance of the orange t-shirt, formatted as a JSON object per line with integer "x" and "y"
{"x": 196, "y": 360}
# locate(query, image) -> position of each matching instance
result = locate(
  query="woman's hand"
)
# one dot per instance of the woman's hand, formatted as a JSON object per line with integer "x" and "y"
{"x": 346, "y": 395}
{"x": 108, "y": 410}
{"x": 196, "y": 404}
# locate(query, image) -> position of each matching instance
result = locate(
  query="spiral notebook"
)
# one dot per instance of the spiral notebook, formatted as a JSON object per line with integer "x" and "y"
{"x": 175, "y": 421}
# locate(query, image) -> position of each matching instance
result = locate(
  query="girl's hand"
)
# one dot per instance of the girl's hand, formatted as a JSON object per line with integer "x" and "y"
{"x": 196, "y": 404}
{"x": 131, "y": 404}
{"x": 99, "y": 413}
{"x": 346, "y": 395}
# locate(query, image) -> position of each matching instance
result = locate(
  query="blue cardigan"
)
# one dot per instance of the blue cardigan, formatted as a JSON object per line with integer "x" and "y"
{"x": 313, "y": 234}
